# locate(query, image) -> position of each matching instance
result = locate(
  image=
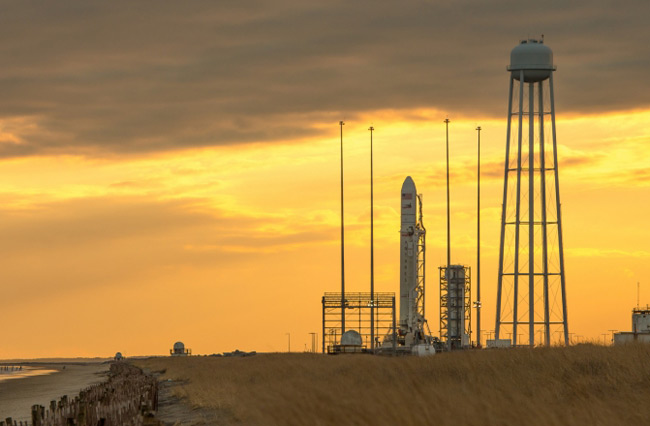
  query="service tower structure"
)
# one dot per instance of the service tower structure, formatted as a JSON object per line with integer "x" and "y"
{"x": 531, "y": 293}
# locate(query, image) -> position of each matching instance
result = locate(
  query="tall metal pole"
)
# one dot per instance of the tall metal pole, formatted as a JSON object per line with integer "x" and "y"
{"x": 478, "y": 240}
{"x": 323, "y": 335}
{"x": 341, "y": 124}
{"x": 394, "y": 328}
{"x": 531, "y": 214}
{"x": 372, "y": 253}
{"x": 448, "y": 219}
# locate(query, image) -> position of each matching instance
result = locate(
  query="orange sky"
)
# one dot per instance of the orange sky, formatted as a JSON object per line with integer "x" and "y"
{"x": 170, "y": 170}
{"x": 232, "y": 247}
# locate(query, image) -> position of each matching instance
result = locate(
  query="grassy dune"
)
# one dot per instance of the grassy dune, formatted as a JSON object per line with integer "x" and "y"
{"x": 581, "y": 385}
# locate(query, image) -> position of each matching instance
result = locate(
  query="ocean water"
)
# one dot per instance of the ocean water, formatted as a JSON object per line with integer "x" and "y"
{"x": 21, "y": 372}
{"x": 40, "y": 384}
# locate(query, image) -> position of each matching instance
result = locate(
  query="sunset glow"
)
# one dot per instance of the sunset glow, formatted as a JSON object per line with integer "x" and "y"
{"x": 171, "y": 172}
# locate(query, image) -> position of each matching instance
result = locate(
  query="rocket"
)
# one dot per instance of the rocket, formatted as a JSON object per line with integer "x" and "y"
{"x": 410, "y": 320}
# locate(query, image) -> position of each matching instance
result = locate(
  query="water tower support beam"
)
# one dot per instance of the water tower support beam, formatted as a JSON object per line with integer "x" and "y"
{"x": 542, "y": 197}
{"x": 497, "y": 327}
{"x": 559, "y": 217}
{"x": 515, "y": 318}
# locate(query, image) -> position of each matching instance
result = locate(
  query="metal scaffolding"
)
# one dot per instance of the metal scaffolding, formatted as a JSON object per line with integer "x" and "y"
{"x": 455, "y": 306}
{"x": 359, "y": 309}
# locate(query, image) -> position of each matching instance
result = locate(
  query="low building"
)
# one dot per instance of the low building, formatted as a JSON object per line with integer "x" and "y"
{"x": 640, "y": 328}
{"x": 499, "y": 343}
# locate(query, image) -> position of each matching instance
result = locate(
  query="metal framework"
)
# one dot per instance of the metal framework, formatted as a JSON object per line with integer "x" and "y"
{"x": 531, "y": 256}
{"x": 455, "y": 306}
{"x": 357, "y": 312}
{"x": 421, "y": 268}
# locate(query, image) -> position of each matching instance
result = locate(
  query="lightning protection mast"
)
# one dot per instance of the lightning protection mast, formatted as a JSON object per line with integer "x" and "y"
{"x": 372, "y": 252}
{"x": 341, "y": 124}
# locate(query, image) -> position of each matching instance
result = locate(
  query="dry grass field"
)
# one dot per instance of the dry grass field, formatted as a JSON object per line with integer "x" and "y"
{"x": 580, "y": 385}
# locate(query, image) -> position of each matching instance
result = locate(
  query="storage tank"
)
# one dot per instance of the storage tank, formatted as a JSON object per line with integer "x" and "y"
{"x": 534, "y": 58}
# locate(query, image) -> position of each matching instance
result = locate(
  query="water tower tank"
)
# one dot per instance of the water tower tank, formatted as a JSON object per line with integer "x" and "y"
{"x": 534, "y": 58}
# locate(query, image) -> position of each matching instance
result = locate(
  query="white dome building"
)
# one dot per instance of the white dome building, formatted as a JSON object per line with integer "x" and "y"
{"x": 179, "y": 350}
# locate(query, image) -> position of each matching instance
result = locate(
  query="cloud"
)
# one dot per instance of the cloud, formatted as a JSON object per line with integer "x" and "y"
{"x": 93, "y": 242}
{"x": 464, "y": 171}
{"x": 630, "y": 176}
{"x": 592, "y": 252}
{"x": 121, "y": 78}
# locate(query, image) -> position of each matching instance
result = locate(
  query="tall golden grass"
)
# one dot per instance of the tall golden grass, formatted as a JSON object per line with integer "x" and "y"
{"x": 580, "y": 385}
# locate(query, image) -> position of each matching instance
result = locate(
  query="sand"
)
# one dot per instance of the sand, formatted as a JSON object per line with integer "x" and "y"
{"x": 18, "y": 395}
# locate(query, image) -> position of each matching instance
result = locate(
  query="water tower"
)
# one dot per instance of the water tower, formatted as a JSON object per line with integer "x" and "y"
{"x": 531, "y": 294}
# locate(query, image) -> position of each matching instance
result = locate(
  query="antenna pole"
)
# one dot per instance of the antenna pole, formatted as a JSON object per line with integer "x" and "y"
{"x": 341, "y": 124}
{"x": 478, "y": 240}
{"x": 448, "y": 224}
{"x": 638, "y": 294}
{"x": 372, "y": 253}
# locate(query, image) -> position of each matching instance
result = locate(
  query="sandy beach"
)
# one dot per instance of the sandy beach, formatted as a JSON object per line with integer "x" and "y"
{"x": 18, "y": 395}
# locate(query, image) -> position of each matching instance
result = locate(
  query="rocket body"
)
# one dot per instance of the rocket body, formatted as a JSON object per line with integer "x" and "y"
{"x": 409, "y": 237}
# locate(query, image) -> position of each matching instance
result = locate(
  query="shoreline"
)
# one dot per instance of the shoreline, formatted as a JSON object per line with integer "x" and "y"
{"x": 18, "y": 395}
{"x": 23, "y": 372}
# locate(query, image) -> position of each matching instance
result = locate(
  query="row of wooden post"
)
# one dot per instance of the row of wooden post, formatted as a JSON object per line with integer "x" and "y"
{"x": 11, "y": 368}
{"x": 128, "y": 398}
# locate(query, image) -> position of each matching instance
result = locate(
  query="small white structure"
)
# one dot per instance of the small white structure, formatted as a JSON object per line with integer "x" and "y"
{"x": 351, "y": 342}
{"x": 179, "y": 350}
{"x": 499, "y": 343}
{"x": 630, "y": 337}
{"x": 640, "y": 328}
{"x": 423, "y": 349}
{"x": 641, "y": 320}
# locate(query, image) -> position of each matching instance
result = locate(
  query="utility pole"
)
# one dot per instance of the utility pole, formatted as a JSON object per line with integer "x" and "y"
{"x": 612, "y": 331}
{"x": 341, "y": 124}
{"x": 313, "y": 342}
{"x": 289, "y": 335}
{"x": 372, "y": 252}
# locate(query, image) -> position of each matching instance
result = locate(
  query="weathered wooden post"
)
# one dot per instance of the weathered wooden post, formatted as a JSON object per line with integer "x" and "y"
{"x": 37, "y": 420}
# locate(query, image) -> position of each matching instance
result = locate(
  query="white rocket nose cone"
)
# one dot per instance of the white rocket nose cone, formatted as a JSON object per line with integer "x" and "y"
{"x": 409, "y": 197}
{"x": 408, "y": 185}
